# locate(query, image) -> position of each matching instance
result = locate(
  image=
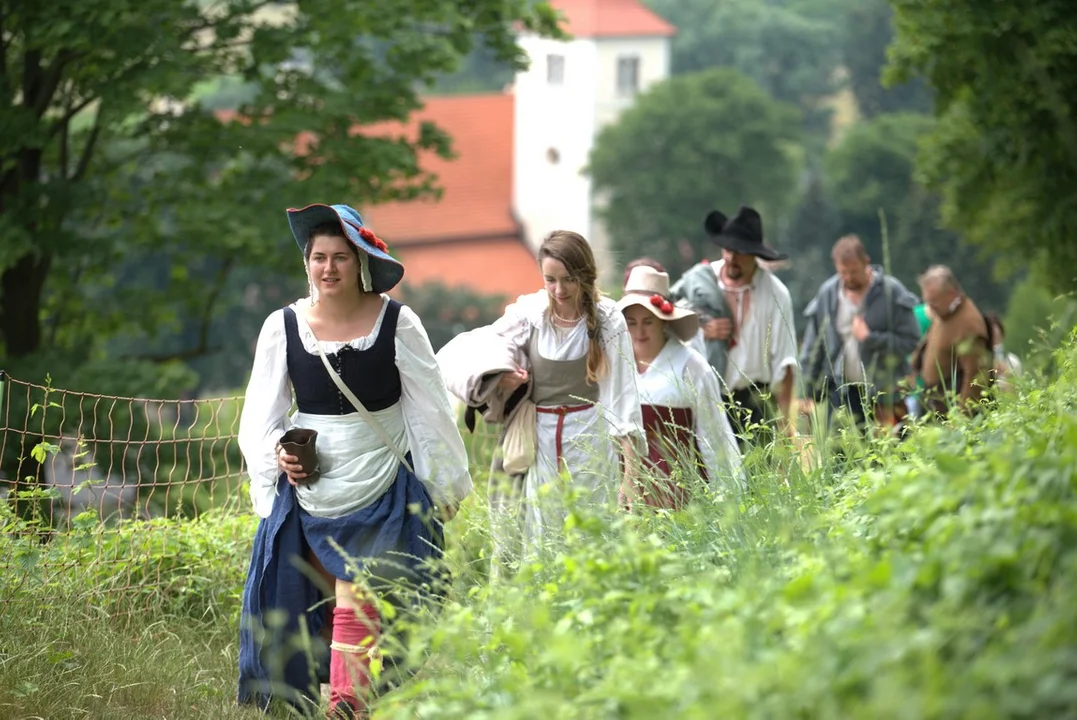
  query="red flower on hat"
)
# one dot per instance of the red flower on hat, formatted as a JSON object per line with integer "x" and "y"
{"x": 661, "y": 304}
{"x": 368, "y": 235}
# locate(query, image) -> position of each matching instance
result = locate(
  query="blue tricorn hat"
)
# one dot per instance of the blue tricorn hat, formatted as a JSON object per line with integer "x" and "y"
{"x": 385, "y": 271}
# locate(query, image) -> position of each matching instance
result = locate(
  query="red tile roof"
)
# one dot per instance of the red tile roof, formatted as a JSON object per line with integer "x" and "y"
{"x": 499, "y": 266}
{"x": 469, "y": 235}
{"x": 611, "y": 18}
{"x": 476, "y": 185}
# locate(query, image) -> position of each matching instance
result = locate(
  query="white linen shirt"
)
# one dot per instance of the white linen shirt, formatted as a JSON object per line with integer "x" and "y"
{"x": 588, "y": 436}
{"x": 356, "y": 467}
{"x": 618, "y": 397}
{"x": 680, "y": 377}
{"x": 766, "y": 341}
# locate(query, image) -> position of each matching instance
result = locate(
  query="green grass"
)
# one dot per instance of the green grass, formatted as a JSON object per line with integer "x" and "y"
{"x": 930, "y": 579}
{"x": 67, "y": 660}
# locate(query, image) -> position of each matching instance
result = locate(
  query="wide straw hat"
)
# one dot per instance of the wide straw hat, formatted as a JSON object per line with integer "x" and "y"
{"x": 650, "y": 288}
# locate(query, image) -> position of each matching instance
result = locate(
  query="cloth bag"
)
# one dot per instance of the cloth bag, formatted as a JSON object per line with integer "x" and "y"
{"x": 518, "y": 447}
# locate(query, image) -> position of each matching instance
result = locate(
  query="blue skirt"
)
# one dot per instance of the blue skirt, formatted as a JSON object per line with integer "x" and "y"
{"x": 392, "y": 543}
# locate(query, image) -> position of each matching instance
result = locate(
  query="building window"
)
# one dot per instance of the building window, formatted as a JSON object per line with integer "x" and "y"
{"x": 555, "y": 69}
{"x": 627, "y": 75}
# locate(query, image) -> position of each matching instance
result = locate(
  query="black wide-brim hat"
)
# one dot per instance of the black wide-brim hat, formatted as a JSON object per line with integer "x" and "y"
{"x": 742, "y": 233}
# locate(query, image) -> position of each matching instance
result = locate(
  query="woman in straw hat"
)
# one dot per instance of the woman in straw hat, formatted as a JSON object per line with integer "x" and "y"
{"x": 363, "y": 506}
{"x": 682, "y": 403}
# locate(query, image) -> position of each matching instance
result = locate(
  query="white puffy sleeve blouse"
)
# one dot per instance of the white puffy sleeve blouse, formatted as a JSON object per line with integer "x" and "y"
{"x": 438, "y": 452}
{"x": 618, "y": 396}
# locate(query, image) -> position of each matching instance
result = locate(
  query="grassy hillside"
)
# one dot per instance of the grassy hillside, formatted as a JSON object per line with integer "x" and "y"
{"x": 934, "y": 579}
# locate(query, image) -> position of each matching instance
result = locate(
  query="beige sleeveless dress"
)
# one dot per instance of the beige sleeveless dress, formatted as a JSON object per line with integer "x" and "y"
{"x": 582, "y": 461}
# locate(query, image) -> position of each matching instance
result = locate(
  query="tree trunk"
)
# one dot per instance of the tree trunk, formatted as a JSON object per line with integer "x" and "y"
{"x": 21, "y": 288}
{"x": 22, "y": 284}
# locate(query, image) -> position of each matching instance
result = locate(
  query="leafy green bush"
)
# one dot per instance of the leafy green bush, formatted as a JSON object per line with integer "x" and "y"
{"x": 1036, "y": 319}
{"x": 929, "y": 579}
{"x": 935, "y": 583}
{"x": 448, "y": 311}
{"x": 161, "y": 566}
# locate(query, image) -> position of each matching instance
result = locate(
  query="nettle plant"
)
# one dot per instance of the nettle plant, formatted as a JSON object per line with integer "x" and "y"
{"x": 934, "y": 576}
{"x": 31, "y": 502}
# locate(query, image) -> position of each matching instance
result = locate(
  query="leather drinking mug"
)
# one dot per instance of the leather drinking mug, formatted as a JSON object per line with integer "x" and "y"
{"x": 301, "y": 442}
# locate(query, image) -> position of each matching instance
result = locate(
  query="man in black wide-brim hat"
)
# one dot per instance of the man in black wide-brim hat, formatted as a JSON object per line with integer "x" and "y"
{"x": 747, "y": 330}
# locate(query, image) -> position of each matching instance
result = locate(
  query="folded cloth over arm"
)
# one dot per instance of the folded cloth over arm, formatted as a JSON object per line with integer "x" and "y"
{"x": 473, "y": 361}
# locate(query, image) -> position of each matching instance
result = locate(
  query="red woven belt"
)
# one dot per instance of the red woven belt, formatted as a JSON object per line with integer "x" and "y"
{"x": 560, "y": 411}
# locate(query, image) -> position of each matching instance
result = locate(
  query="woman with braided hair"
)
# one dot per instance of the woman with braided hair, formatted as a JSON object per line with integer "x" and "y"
{"x": 576, "y": 363}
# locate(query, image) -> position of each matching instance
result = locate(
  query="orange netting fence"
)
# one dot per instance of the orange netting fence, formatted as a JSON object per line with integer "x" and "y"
{"x": 126, "y": 503}
{"x": 118, "y": 501}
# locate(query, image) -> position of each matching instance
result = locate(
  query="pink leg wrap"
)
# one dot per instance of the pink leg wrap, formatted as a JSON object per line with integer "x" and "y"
{"x": 355, "y": 635}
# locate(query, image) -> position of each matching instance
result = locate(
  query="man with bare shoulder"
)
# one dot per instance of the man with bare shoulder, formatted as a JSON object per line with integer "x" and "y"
{"x": 954, "y": 358}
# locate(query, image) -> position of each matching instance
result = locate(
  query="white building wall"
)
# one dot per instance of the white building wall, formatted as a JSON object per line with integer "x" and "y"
{"x": 565, "y": 119}
{"x": 552, "y": 193}
{"x": 653, "y": 54}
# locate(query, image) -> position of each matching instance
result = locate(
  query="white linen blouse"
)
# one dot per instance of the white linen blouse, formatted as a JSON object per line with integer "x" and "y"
{"x": 680, "y": 377}
{"x": 618, "y": 397}
{"x": 356, "y": 467}
{"x": 590, "y": 452}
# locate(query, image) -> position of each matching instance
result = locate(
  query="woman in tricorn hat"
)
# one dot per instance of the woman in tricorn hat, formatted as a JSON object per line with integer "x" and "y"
{"x": 681, "y": 400}
{"x": 390, "y": 466}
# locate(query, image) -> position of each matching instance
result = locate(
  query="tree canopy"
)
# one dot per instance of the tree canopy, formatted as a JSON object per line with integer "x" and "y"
{"x": 791, "y": 56}
{"x": 696, "y": 142}
{"x": 868, "y": 31}
{"x": 1004, "y": 152}
{"x": 873, "y": 170}
{"x": 127, "y": 206}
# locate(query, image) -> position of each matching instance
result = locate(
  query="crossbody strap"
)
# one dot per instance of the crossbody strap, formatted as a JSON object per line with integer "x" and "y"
{"x": 363, "y": 412}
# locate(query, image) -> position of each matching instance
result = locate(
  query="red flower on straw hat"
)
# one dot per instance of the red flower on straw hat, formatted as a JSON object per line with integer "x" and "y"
{"x": 661, "y": 304}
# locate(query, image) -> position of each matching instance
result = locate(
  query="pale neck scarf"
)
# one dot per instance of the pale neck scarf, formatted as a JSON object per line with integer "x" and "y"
{"x": 740, "y": 292}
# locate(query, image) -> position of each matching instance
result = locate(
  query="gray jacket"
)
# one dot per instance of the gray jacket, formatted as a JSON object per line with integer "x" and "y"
{"x": 698, "y": 291}
{"x": 888, "y": 311}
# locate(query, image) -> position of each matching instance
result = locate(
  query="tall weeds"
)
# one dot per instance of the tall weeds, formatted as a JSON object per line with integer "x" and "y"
{"x": 931, "y": 578}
